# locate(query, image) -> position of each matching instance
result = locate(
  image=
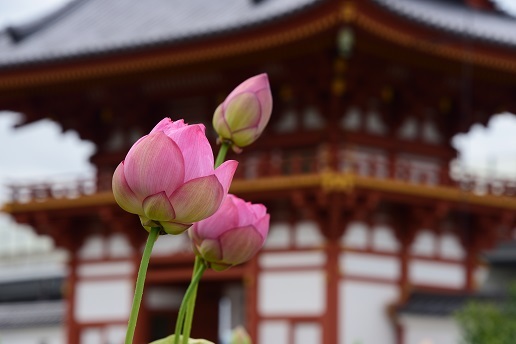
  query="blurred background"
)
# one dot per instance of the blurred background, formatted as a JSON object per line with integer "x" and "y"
{"x": 401, "y": 108}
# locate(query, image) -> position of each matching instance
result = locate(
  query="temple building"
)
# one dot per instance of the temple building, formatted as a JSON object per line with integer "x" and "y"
{"x": 355, "y": 165}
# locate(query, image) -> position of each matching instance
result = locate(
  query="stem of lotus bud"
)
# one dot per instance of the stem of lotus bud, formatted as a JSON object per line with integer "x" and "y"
{"x": 140, "y": 281}
{"x": 188, "y": 304}
{"x": 201, "y": 267}
{"x": 222, "y": 153}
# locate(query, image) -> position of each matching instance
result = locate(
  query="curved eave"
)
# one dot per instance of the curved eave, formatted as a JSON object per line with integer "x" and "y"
{"x": 171, "y": 55}
{"x": 364, "y": 15}
{"x": 388, "y": 26}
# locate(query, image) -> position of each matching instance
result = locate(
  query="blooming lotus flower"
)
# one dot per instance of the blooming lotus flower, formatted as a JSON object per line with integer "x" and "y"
{"x": 246, "y": 111}
{"x": 232, "y": 235}
{"x": 168, "y": 179}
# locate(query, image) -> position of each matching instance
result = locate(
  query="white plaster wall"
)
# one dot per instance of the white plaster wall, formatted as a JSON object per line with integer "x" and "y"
{"x": 369, "y": 265}
{"x": 307, "y": 234}
{"x": 430, "y": 330}
{"x": 436, "y": 274}
{"x": 115, "y": 333}
{"x": 292, "y": 259}
{"x": 363, "y": 316}
{"x": 307, "y": 333}
{"x": 292, "y": 293}
{"x": 105, "y": 269}
{"x": 355, "y": 235}
{"x": 118, "y": 246}
{"x": 384, "y": 239}
{"x": 36, "y": 335}
{"x": 279, "y": 236}
{"x": 276, "y": 332}
{"x": 450, "y": 247}
{"x": 424, "y": 244}
{"x": 167, "y": 245}
{"x": 103, "y": 300}
{"x": 93, "y": 248}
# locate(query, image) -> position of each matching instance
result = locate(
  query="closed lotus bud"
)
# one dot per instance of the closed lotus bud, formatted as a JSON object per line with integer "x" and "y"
{"x": 243, "y": 115}
{"x": 231, "y": 236}
{"x": 168, "y": 179}
{"x": 240, "y": 336}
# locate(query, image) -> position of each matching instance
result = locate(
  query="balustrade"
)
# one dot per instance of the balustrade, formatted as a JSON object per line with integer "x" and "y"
{"x": 295, "y": 162}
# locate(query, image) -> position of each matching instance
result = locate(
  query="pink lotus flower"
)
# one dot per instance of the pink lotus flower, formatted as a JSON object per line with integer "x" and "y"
{"x": 242, "y": 117}
{"x": 168, "y": 179}
{"x": 233, "y": 235}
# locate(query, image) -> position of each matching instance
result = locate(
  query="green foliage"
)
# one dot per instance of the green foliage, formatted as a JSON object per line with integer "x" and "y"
{"x": 489, "y": 322}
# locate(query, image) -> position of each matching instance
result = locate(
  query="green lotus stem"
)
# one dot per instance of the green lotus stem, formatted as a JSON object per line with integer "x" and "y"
{"x": 191, "y": 302}
{"x": 140, "y": 281}
{"x": 199, "y": 269}
{"x": 222, "y": 153}
{"x": 182, "y": 310}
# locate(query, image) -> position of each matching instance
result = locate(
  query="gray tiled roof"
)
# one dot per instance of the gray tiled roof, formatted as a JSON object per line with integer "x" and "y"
{"x": 440, "y": 304}
{"x": 31, "y": 314}
{"x": 456, "y": 19}
{"x": 504, "y": 254}
{"x": 90, "y": 27}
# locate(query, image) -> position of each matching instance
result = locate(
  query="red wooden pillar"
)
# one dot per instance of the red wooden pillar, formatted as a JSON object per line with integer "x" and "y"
{"x": 334, "y": 230}
{"x": 72, "y": 328}
{"x": 251, "y": 296}
{"x": 331, "y": 321}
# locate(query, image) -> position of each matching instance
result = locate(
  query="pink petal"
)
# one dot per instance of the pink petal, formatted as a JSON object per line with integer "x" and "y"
{"x": 253, "y": 84}
{"x": 225, "y": 173}
{"x": 174, "y": 228}
{"x": 154, "y": 165}
{"x": 124, "y": 196}
{"x": 196, "y": 150}
{"x": 167, "y": 124}
{"x": 245, "y": 215}
{"x": 259, "y": 210}
{"x": 265, "y": 98}
{"x": 224, "y": 219}
{"x": 158, "y": 208}
{"x": 263, "y": 226}
{"x": 240, "y": 244}
{"x": 197, "y": 199}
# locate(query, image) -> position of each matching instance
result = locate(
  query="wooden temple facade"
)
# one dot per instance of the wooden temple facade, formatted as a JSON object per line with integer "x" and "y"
{"x": 354, "y": 166}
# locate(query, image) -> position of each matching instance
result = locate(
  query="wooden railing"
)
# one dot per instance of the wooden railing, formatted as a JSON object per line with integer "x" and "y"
{"x": 285, "y": 163}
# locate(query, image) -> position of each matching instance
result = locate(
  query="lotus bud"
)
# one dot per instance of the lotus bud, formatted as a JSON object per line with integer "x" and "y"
{"x": 243, "y": 115}
{"x": 168, "y": 179}
{"x": 240, "y": 336}
{"x": 231, "y": 236}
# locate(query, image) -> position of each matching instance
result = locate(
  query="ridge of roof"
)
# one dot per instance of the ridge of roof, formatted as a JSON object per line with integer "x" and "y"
{"x": 101, "y": 27}
{"x": 19, "y": 32}
{"x": 491, "y": 27}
